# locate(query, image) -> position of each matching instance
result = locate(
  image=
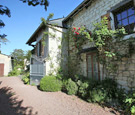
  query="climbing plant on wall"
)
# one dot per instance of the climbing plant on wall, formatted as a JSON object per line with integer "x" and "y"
{"x": 52, "y": 35}
{"x": 110, "y": 44}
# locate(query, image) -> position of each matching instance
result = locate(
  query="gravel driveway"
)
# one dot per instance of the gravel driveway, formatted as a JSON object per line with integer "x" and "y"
{"x": 19, "y": 99}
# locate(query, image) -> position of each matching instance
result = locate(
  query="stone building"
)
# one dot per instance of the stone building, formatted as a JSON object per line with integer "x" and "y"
{"x": 119, "y": 12}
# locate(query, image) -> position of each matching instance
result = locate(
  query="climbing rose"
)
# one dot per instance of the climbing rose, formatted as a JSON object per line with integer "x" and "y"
{"x": 77, "y": 33}
{"x": 79, "y": 28}
{"x": 74, "y": 28}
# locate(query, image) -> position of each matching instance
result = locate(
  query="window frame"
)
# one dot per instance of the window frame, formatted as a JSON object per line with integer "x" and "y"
{"x": 121, "y": 9}
{"x": 39, "y": 48}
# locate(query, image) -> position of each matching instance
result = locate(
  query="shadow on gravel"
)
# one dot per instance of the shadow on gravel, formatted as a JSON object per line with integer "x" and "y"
{"x": 10, "y": 105}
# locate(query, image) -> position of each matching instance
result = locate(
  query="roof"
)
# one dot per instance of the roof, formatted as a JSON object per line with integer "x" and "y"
{"x": 5, "y": 55}
{"x": 85, "y": 3}
{"x": 55, "y": 22}
{"x": 34, "y": 35}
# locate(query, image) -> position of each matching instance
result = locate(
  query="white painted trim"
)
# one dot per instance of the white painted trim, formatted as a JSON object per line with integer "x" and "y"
{"x": 112, "y": 21}
{"x": 129, "y": 36}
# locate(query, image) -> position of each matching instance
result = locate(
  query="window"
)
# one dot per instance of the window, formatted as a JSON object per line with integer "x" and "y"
{"x": 93, "y": 70}
{"x": 39, "y": 49}
{"x": 125, "y": 17}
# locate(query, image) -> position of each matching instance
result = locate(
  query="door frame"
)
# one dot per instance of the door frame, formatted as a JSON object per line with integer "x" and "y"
{"x": 2, "y": 69}
{"x": 92, "y": 54}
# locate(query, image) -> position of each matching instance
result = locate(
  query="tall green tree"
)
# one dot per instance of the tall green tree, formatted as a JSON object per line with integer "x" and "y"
{"x": 19, "y": 56}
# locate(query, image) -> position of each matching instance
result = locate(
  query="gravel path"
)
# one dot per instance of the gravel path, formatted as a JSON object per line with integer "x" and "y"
{"x": 19, "y": 99}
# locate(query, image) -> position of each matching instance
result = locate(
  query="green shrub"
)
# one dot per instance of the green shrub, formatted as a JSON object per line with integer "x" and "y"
{"x": 26, "y": 79}
{"x": 50, "y": 84}
{"x": 111, "y": 87}
{"x": 105, "y": 91}
{"x": 120, "y": 96}
{"x": 14, "y": 72}
{"x": 82, "y": 88}
{"x": 59, "y": 76}
{"x": 130, "y": 103}
{"x": 71, "y": 87}
{"x": 97, "y": 95}
{"x": 64, "y": 83}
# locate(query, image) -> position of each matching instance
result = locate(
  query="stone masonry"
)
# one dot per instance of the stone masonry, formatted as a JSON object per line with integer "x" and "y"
{"x": 126, "y": 70}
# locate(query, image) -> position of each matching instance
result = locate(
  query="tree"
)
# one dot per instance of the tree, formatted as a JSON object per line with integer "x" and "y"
{"x": 5, "y": 10}
{"x": 19, "y": 56}
{"x": 28, "y": 55}
{"x": 44, "y": 3}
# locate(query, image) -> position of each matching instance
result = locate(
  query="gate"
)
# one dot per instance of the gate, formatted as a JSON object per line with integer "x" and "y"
{"x": 37, "y": 71}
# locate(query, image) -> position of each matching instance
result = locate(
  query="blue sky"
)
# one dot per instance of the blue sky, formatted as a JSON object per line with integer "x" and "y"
{"x": 25, "y": 19}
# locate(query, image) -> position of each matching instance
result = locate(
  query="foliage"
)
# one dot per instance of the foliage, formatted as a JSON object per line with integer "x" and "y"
{"x": 97, "y": 95}
{"x": 28, "y": 55}
{"x": 104, "y": 39}
{"x": 130, "y": 103}
{"x": 19, "y": 56}
{"x": 105, "y": 91}
{"x": 82, "y": 88}
{"x": 101, "y": 92}
{"x": 110, "y": 86}
{"x": 45, "y": 22}
{"x": 71, "y": 87}
{"x": 80, "y": 35}
{"x": 59, "y": 76}
{"x": 14, "y": 72}
{"x": 6, "y": 11}
{"x": 26, "y": 78}
{"x": 50, "y": 84}
{"x": 34, "y": 3}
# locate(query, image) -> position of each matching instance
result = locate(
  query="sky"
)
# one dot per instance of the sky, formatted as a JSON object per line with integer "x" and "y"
{"x": 25, "y": 19}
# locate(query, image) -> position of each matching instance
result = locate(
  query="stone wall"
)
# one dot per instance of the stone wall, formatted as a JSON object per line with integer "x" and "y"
{"x": 93, "y": 13}
{"x": 126, "y": 71}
